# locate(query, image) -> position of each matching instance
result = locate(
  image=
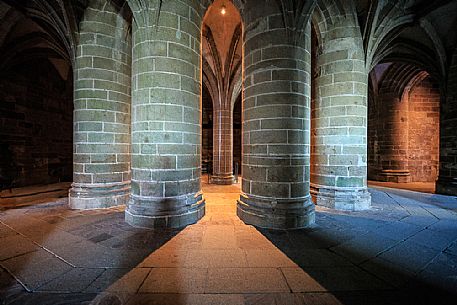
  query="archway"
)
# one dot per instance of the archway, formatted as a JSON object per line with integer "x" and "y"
{"x": 403, "y": 124}
{"x": 221, "y": 69}
{"x": 36, "y": 104}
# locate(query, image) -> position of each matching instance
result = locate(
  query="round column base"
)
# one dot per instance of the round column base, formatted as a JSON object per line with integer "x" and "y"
{"x": 222, "y": 180}
{"x": 395, "y": 175}
{"x": 347, "y": 199}
{"x": 98, "y": 196}
{"x": 172, "y": 212}
{"x": 276, "y": 213}
{"x": 446, "y": 186}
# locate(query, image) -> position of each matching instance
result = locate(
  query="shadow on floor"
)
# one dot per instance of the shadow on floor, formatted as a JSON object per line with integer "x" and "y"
{"x": 60, "y": 256}
{"x": 365, "y": 280}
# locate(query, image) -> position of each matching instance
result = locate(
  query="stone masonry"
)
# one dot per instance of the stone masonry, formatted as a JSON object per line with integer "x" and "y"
{"x": 102, "y": 110}
{"x": 403, "y": 125}
{"x": 275, "y": 184}
{"x": 138, "y": 68}
{"x": 166, "y": 116}
{"x": 340, "y": 116}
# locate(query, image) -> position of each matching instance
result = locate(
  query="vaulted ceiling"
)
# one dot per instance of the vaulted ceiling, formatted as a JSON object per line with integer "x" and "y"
{"x": 420, "y": 32}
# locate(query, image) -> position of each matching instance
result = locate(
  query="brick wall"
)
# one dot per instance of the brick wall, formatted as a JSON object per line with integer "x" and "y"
{"x": 36, "y": 124}
{"x": 423, "y": 131}
{"x": 404, "y": 126}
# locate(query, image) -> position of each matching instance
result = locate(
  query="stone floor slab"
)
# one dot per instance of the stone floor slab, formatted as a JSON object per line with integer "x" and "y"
{"x": 15, "y": 245}
{"x": 220, "y": 260}
{"x": 35, "y": 269}
{"x": 410, "y": 256}
{"x": 75, "y": 280}
{"x": 245, "y": 280}
{"x": 175, "y": 280}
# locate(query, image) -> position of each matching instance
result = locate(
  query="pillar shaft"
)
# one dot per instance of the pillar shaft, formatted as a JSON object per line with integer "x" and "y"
{"x": 447, "y": 178}
{"x": 166, "y": 117}
{"x": 275, "y": 184}
{"x": 101, "y": 160}
{"x": 340, "y": 120}
{"x": 222, "y": 145}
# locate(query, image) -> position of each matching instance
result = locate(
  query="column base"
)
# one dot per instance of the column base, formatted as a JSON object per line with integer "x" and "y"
{"x": 395, "y": 175}
{"x": 446, "y": 186}
{"x": 98, "y": 196}
{"x": 222, "y": 180}
{"x": 171, "y": 212}
{"x": 276, "y": 213}
{"x": 347, "y": 199}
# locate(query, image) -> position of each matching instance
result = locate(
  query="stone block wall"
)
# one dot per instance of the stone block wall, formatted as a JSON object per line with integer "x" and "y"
{"x": 36, "y": 124}
{"x": 388, "y": 121}
{"x": 423, "y": 131}
{"x": 404, "y": 126}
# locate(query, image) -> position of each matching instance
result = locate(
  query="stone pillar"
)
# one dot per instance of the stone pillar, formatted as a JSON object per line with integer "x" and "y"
{"x": 340, "y": 119}
{"x": 166, "y": 115}
{"x": 447, "y": 178}
{"x": 222, "y": 145}
{"x": 101, "y": 160}
{"x": 275, "y": 184}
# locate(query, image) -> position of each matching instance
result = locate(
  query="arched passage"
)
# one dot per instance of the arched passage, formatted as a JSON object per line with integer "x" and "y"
{"x": 36, "y": 104}
{"x": 403, "y": 126}
{"x": 221, "y": 69}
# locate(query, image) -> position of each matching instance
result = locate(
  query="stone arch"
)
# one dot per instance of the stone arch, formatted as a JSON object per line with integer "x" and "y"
{"x": 221, "y": 69}
{"x": 403, "y": 119}
{"x": 36, "y": 88}
{"x": 238, "y": 4}
{"x": 413, "y": 82}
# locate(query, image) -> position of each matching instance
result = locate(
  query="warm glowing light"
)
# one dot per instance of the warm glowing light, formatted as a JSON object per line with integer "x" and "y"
{"x": 223, "y": 9}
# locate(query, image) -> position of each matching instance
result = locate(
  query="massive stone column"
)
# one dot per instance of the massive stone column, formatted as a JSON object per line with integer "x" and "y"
{"x": 447, "y": 178}
{"x": 166, "y": 115}
{"x": 102, "y": 110}
{"x": 275, "y": 184}
{"x": 340, "y": 119}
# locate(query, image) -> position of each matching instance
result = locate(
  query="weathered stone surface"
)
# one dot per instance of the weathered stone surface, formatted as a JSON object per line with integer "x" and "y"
{"x": 166, "y": 115}
{"x": 275, "y": 185}
{"x": 339, "y": 119}
{"x": 362, "y": 257}
{"x": 101, "y": 169}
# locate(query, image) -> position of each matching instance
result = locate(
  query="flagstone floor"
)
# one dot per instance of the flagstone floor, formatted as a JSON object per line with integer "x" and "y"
{"x": 402, "y": 251}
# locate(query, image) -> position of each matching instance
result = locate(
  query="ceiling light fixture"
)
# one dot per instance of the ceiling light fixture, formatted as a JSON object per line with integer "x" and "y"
{"x": 223, "y": 9}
